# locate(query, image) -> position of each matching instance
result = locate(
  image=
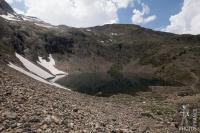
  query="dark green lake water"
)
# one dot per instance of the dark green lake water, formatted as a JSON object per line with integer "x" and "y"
{"x": 104, "y": 85}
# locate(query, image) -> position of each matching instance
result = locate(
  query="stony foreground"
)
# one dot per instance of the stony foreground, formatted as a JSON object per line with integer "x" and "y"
{"x": 29, "y": 106}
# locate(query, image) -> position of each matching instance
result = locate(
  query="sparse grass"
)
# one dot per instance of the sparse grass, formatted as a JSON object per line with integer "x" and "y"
{"x": 115, "y": 71}
{"x": 4, "y": 48}
{"x": 192, "y": 100}
{"x": 159, "y": 107}
{"x": 157, "y": 97}
{"x": 164, "y": 110}
{"x": 183, "y": 76}
{"x": 178, "y": 73}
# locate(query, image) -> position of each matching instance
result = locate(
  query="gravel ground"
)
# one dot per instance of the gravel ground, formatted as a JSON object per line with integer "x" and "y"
{"x": 28, "y": 106}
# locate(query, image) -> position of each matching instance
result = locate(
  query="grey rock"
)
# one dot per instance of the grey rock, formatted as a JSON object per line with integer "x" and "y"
{"x": 71, "y": 125}
{"x": 1, "y": 128}
{"x": 56, "y": 119}
{"x": 34, "y": 119}
{"x": 48, "y": 119}
{"x": 10, "y": 115}
{"x": 14, "y": 125}
{"x": 147, "y": 114}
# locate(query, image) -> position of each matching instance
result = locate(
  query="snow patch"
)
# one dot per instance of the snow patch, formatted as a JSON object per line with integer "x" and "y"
{"x": 35, "y": 76}
{"x": 60, "y": 86}
{"x": 113, "y": 34}
{"x": 29, "y": 18}
{"x": 10, "y": 17}
{"x": 44, "y": 25}
{"x": 37, "y": 21}
{"x": 50, "y": 65}
{"x": 56, "y": 78}
{"x": 89, "y": 30}
{"x": 27, "y": 73}
{"x": 33, "y": 68}
{"x": 38, "y": 73}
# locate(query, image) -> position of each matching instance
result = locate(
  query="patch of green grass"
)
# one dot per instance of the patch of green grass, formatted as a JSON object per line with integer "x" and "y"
{"x": 161, "y": 109}
{"x": 198, "y": 121}
{"x": 183, "y": 76}
{"x": 4, "y": 48}
{"x": 155, "y": 96}
{"x": 115, "y": 71}
{"x": 177, "y": 73}
{"x": 158, "y": 97}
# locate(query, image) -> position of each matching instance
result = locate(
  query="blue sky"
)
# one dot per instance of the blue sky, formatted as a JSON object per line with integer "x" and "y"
{"x": 163, "y": 9}
{"x": 165, "y": 15}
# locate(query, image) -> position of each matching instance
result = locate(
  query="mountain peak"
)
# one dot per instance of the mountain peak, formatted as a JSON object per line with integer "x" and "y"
{"x": 5, "y": 8}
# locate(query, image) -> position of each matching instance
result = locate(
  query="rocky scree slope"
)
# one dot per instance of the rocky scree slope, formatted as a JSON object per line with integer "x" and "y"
{"x": 29, "y": 106}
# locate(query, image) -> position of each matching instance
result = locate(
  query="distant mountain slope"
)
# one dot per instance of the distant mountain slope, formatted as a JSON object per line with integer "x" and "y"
{"x": 97, "y": 49}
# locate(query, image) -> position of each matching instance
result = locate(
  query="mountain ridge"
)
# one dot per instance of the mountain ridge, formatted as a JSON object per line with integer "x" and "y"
{"x": 148, "y": 47}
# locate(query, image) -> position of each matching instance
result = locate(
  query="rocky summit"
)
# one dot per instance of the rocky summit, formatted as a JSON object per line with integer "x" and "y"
{"x": 5, "y": 8}
{"x": 115, "y": 78}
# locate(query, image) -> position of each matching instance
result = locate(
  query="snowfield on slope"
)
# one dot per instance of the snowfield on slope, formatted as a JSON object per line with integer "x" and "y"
{"x": 50, "y": 65}
{"x": 45, "y": 25}
{"x": 27, "y": 73}
{"x": 10, "y": 17}
{"x": 35, "y": 76}
{"x": 38, "y": 73}
{"x": 18, "y": 17}
{"x": 34, "y": 68}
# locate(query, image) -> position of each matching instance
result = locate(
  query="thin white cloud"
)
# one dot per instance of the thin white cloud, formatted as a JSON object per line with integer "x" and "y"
{"x": 76, "y": 13}
{"x": 141, "y": 17}
{"x": 12, "y": 1}
{"x": 187, "y": 21}
{"x": 149, "y": 19}
{"x": 18, "y": 0}
{"x": 123, "y": 3}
